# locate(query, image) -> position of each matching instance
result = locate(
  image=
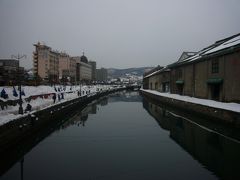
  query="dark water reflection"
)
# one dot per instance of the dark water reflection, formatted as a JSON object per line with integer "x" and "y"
{"x": 127, "y": 137}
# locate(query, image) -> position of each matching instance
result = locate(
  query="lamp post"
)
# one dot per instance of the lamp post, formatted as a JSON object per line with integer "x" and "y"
{"x": 22, "y": 163}
{"x": 80, "y": 88}
{"x": 18, "y": 57}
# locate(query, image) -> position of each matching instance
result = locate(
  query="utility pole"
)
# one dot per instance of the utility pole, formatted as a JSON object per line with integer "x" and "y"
{"x": 22, "y": 163}
{"x": 18, "y": 57}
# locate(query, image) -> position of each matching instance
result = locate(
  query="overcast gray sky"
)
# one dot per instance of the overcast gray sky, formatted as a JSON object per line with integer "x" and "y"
{"x": 116, "y": 33}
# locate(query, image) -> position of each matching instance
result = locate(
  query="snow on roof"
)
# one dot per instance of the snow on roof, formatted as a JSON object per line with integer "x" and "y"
{"x": 198, "y": 55}
{"x": 186, "y": 55}
{"x": 155, "y": 72}
{"x": 232, "y": 42}
{"x": 206, "y": 102}
{"x": 217, "y": 46}
{"x": 191, "y": 53}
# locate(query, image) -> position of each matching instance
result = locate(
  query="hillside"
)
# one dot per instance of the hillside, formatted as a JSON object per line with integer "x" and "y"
{"x": 115, "y": 73}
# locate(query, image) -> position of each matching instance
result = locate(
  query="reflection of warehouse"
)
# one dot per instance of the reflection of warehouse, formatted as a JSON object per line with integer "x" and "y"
{"x": 216, "y": 152}
{"x": 104, "y": 101}
{"x": 211, "y": 73}
{"x": 126, "y": 96}
{"x": 160, "y": 114}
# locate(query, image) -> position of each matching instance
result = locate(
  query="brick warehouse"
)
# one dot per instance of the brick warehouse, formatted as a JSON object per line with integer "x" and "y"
{"x": 211, "y": 73}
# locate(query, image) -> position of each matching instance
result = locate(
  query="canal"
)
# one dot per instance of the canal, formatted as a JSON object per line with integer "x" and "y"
{"x": 125, "y": 136}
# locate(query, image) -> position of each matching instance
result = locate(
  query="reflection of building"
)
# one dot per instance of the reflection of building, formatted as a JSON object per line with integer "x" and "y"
{"x": 94, "y": 109}
{"x": 161, "y": 115}
{"x": 10, "y": 72}
{"x": 101, "y": 74}
{"x": 82, "y": 116}
{"x": 104, "y": 101}
{"x": 126, "y": 96}
{"x": 218, "y": 153}
{"x": 90, "y": 109}
{"x": 46, "y": 63}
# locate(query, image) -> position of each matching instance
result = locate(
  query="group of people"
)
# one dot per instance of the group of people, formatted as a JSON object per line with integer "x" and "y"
{"x": 4, "y": 94}
{"x": 60, "y": 96}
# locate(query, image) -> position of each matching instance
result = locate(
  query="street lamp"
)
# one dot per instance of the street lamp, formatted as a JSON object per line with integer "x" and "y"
{"x": 18, "y": 57}
{"x": 80, "y": 88}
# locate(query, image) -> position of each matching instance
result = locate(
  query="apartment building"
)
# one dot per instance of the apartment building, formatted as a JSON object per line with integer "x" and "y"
{"x": 46, "y": 63}
{"x": 67, "y": 68}
{"x": 83, "y": 69}
{"x": 54, "y": 67}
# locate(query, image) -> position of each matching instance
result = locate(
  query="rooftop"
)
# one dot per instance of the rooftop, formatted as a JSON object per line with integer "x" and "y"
{"x": 224, "y": 45}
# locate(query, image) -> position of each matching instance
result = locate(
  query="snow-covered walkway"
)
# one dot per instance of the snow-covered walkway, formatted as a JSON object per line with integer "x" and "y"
{"x": 70, "y": 92}
{"x": 206, "y": 102}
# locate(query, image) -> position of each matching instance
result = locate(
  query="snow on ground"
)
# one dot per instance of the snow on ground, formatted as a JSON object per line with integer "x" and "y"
{"x": 70, "y": 92}
{"x": 206, "y": 102}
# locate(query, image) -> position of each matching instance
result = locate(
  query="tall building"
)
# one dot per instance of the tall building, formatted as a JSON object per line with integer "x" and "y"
{"x": 94, "y": 65}
{"x": 67, "y": 68}
{"x": 83, "y": 69}
{"x": 53, "y": 66}
{"x": 10, "y": 72}
{"x": 77, "y": 60}
{"x": 46, "y": 63}
{"x": 101, "y": 74}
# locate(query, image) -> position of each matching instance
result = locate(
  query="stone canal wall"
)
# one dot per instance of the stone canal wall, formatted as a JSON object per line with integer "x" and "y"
{"x": 19, "y": 130}
{"x": 215, "y": 114}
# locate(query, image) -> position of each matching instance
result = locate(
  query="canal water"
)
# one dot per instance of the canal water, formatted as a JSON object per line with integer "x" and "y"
{"x": 125, "y": 136}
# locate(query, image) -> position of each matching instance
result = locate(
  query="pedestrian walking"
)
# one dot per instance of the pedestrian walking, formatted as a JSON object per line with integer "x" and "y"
{"x": 59, "y": 97}
{"x": 54, "y": 98}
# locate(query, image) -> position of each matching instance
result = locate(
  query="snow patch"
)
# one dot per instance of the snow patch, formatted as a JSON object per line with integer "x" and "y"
{"x": 206, "y": 102}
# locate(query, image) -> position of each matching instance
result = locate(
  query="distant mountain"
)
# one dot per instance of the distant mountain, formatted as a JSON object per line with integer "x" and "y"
{"x": 116, "y": 73}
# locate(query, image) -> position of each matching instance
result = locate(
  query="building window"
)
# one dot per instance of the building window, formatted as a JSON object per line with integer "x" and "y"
{"x": 179, "y": 74}
{"x": 156, "y": 85}
{"x": 215, "y": 66}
